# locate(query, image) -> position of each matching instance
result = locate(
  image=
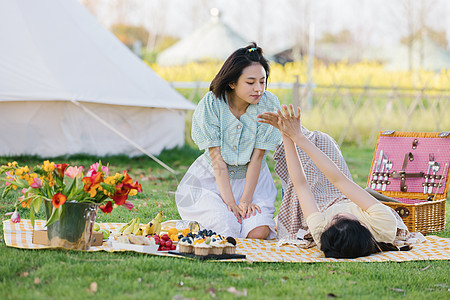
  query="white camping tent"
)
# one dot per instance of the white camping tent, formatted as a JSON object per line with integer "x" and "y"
{"x": 214, "y": 40}
{"x": 67, "y": 85}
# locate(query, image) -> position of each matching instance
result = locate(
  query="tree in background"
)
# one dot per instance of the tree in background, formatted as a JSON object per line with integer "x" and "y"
{"x": 413, "y": 18}
{"x": 342, "y": 37}
{"x": 129, "y": 34}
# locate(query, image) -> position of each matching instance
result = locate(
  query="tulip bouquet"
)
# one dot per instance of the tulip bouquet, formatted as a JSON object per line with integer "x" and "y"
{"x": 61, "y": 182}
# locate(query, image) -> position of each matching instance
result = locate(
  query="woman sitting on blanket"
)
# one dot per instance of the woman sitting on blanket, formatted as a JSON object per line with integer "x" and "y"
{"x": 348, "y": 229}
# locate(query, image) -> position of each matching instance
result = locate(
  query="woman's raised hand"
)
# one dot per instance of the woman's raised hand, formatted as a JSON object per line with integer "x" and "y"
{"x": 270, "y": 118}
{"x": 289, "y": 122}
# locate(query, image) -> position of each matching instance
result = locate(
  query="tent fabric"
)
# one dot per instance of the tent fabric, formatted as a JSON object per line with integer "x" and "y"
{"x": 52, "y": 128}
{"x": 53, "y": 52}
{"x": 214, "y": 41}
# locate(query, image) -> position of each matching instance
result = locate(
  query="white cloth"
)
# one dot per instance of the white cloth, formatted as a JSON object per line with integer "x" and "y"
{"x": 198, "y": 198}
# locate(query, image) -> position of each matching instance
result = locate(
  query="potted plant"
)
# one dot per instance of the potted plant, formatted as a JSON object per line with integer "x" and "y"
{"x": 71, "y": 198}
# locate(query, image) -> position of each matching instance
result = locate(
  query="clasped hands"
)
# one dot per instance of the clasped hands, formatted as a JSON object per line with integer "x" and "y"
{"x": 244, "y": 210}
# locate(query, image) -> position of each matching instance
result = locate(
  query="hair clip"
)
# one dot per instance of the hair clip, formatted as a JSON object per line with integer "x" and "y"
{"x": 251, "y": 49}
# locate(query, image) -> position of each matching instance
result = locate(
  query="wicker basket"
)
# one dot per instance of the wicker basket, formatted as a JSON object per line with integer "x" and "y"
{"x": 422, "y": 217}
{"x": 420, "y": 212}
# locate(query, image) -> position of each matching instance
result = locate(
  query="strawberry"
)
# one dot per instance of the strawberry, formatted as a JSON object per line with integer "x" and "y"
{"x": 165, "y": 236}
{"x": 169, "y": 244}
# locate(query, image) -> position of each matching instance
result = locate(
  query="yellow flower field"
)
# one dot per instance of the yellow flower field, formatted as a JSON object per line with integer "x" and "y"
{"x": 351, "y": 102}
{"x": 359, "y": 74}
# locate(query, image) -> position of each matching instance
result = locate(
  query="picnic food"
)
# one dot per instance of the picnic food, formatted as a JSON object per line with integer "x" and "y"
{"x": 128, "y": 228}
{"x": 154, "y": 226}
{"x": 173, "y": 234}
{"x": 139, "y": 240}
{"x": 186, "y": 245}
{"x": 202, "y": 246}
{"x": 217, "y": 245}
{"x": 106, "y": 233}
{"x": 123, "y": 239}
{"x": 230, "y": 246}
{"x": 164, "y": 242}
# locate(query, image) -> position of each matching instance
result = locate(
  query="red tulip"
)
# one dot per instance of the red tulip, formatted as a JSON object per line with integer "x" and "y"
{"x": 107, "y": 208}
{"x": 60, "y": 168}
{"x": 58, "y": 199}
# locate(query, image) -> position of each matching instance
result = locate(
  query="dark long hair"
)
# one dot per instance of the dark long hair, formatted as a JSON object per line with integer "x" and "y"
{"x": 233, "y": 66}
{"x": 347, "y": 238}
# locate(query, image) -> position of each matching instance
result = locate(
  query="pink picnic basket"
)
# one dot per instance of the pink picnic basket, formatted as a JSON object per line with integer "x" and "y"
{"x": 413, "y": 168}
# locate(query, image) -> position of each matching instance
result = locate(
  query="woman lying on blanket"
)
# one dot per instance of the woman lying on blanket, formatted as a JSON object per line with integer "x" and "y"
{"x": 348, "y": 229}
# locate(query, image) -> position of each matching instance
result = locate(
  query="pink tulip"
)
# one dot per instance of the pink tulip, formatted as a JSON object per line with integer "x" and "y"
{"x": 36, "y": 183}
{"x": 128, "y": 205}
{"x": 15, "y": 216}
{"x": 94, "y": 167}
{"x": 73, "y": 172}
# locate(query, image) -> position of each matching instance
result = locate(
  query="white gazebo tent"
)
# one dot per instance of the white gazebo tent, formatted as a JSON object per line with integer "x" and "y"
{"x": 67, "y": 86}
{"x": 213, "y": 41}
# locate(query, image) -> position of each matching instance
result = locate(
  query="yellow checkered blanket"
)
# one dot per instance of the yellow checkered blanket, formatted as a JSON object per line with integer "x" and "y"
{"x": 20, "y": 235}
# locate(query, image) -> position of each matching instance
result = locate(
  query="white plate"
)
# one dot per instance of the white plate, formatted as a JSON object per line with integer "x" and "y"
{"x": 136, "y": 248}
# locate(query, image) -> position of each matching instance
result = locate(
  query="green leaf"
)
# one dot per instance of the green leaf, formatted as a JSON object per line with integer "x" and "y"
{"x": 72, "y": 190}
{"x": 56, "y": 214}
{"x": 37, "y": 202}
{"x": 32, "y": 217}
{"x": 6, "y": 191}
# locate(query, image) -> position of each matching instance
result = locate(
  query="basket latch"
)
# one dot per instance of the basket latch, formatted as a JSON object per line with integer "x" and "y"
{"x": 414, "y": 144}
{"x": 403, "y": 212}
{"x": 403, "y": 175}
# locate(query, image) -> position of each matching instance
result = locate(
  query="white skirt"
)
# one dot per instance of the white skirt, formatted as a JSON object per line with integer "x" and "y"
{"x": 198, "y": 198}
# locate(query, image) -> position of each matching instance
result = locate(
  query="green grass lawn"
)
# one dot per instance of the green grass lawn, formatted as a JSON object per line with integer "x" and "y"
{"x": 56, "y": 274}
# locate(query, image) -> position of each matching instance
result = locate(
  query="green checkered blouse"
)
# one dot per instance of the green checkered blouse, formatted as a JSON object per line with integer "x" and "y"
{"x": 214, "y": 125}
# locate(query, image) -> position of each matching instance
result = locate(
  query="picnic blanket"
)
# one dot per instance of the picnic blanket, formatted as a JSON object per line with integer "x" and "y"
{"x": 19, "y": 235}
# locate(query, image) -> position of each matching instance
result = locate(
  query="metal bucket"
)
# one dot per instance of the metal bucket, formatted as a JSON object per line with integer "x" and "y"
{"x": 74, "y": 228}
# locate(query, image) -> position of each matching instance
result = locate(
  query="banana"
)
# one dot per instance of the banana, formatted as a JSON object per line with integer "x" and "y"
{"x": 154, "y": 226}
{"x": 130, "y": 228}
{"x": 140, "y": 231}
{"x": 149, "y": 229}
{"x": 119, "y": 231}
{"x": 137, "y": 225}
{"x": 158, "y": 228}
